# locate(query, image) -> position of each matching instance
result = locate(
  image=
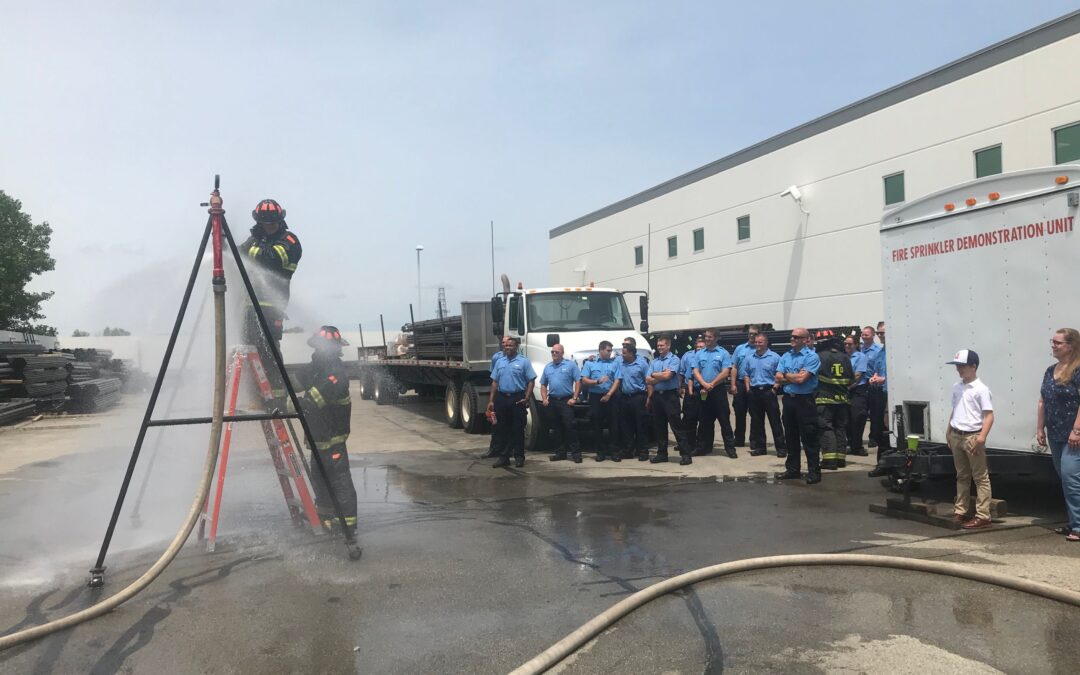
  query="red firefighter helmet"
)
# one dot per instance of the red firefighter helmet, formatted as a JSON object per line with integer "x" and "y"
{"x": 268, "y": 211}
{"x": 325, "y": 337}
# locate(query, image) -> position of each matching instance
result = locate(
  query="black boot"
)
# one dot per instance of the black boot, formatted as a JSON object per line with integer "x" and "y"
{"x": 501, "y": 463}
{"x": 661, "y": 458}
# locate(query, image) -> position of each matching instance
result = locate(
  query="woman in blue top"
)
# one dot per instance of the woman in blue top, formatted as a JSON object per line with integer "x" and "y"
{"x": 1059, "y": 421}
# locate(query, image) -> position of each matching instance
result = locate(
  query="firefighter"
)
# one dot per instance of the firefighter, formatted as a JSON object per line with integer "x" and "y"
{"x": 327, "y": 408}
{"x": 273, "y": 252}
{"x": 833, "y": 399}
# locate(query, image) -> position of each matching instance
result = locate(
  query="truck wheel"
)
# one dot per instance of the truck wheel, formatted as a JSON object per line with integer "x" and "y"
{"x": 453, "y": 405}
{"x": 367, "y": 390}
{"x": 386, "y": 390}
{"x": 472, "y": 416}
{"x": 534, "y": 427}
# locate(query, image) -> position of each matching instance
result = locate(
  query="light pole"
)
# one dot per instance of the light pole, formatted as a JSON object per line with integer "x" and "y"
{"x": 419, "y": 312}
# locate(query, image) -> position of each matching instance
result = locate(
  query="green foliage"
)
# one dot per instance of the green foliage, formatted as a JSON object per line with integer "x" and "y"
{"x": 114, "y": 332}
{"x": 25, "y": 254}
{"x": 80, "y": 333}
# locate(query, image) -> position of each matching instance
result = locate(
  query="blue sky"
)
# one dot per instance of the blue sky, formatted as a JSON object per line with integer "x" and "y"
{"x": 380, "y": 126}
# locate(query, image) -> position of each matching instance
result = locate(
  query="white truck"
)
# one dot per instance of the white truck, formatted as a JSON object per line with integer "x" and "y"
{"x": 451, "y": 357}
{"x": 990, "y": 265}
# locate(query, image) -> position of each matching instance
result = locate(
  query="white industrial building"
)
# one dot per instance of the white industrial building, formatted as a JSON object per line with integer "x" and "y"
{"x": 722, "y": 245}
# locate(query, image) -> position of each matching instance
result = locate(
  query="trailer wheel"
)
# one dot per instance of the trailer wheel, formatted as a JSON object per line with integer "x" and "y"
{"x": 534, "y": 427}
{"x": 386, "y": 390}
{"x": 472, "y": 416}
{"x": 453, "y": 405}
{"x": 367, "y": 390}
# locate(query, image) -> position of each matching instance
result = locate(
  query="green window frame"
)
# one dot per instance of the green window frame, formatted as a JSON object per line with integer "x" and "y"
{"x": 699, "y": 239}
{"x": 639, "y": 256}
{"x": 988, "y": 161}
{"x": 1067, "y": 144}
{"x": 894, "y": 188}
{"x": 742, "y": 224}
{"x": 673, "y": 246}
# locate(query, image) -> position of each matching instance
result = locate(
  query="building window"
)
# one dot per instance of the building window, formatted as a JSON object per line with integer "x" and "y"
{"x": 672, "y": 247}
{"x": 743, "y": 223}
{"x": 988, "y": 161}
{"x": 639, "y": 256}
{"x": 894, "y": 188}
{"x": 1067, "y": 144}
{"x": 699, "y": 239}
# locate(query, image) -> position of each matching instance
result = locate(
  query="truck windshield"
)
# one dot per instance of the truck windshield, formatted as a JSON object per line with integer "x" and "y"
{"x": 577, "y": 311}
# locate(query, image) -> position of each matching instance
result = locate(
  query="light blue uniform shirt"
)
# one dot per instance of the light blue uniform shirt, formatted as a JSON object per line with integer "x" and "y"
{"x": 793, "y": 362}
{"x": 659, "y": 365}
{"x": 512, "y": 375}
{"x": 877, "y": 367}
{"x": 560, "y": 378}
{"x": 495, "y": 358}
{"x": 858, "y": 365}
{"x": 598, "y": 368}
{"x": 739, "y": 356}
{"x": 711, "y": 361}
{"x": 761, "y": 369}
{"x": 689, "y": 362}
{"x": 632, "y": 376}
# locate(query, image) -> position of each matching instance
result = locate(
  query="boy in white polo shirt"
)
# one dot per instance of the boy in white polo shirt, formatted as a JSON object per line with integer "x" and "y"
{"x": 969, "y": 424}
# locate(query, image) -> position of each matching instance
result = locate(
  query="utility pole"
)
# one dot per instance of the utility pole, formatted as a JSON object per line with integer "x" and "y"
{"x": 419, "y": 306}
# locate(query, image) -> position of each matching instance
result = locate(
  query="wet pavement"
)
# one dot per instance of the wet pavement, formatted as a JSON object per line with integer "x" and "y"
{"x": 471, "y": 569}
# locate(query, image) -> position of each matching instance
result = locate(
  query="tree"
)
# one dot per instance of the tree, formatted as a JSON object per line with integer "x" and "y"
{"x": 25, "y": 254}
{"x": 80, "y": 333}
{"x": 114, "y": 332}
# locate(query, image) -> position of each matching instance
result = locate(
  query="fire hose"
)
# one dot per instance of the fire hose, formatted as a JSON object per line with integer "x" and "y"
{"x": 578, "y": 638}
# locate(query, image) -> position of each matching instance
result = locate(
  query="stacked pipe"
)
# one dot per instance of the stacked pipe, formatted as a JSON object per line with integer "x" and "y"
{"x": 436, "y": 339}
{"x": 39, "y": 376}
{"x": 94, "y": 395}
{"x": 15, "y": 409}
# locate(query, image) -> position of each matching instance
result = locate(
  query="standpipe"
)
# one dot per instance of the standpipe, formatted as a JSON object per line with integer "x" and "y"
{"x": 113, "y": 601}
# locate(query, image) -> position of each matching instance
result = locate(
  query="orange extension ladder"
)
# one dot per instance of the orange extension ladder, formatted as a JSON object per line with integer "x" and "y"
{"x": 283, "y": 453}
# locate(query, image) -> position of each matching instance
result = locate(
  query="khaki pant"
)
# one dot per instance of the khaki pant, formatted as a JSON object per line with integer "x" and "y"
{"x": 969, "y": 467}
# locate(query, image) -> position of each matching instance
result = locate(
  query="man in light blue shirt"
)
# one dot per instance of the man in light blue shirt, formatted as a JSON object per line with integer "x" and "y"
{"x": 859, "y": 389}
{"x": 759, "y": 379}
{"x": 711, "y": 374}
{"x": 691, "y": 400}
{"x": 741, "y": 401}
{"x": 495, "y": 358}
{"x": 598, "y": 376}
{"x": 879, "y": 402}
{"x": 663, "y": 401}
{"x": 512, "y": 382}
{"x": 559, "y": 389}
{"x": 797, "y": 374}
{"x": 630, "y": 386}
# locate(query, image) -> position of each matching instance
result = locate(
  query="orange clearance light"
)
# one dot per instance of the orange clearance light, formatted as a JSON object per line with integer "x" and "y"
{"x": 592, "y": 284}
{"x": 950, "y": 206}
{"x": 520, "y": 286}
{"x": 1061, "y": 180}
{"x": 970, "y": 201}
{"x": 994, "y": 196}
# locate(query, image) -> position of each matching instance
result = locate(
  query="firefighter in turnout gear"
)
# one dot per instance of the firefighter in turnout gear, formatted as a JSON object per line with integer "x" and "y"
{"x": 833, "y": 399}
{"x": 327, "y": 407}
{"x": 273, "y": 252}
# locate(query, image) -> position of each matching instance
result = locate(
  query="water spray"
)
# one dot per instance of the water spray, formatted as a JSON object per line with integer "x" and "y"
{"x": 216, "y": 231}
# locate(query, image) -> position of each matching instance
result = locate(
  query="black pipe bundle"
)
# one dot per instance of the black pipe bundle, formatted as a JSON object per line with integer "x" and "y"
{"x": 16, "y": 409}
{"x": 436, "y": 339}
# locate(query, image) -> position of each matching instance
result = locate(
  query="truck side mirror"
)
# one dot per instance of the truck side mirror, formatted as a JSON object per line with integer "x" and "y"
{"x": 552, "y": 339}
{"x": 643, "y": 305}
{"x": 497, "y": 309}
{"x": 644, "y": 327}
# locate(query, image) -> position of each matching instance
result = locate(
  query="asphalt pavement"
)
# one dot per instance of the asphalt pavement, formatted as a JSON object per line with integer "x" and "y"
{"x": 475, "y": 570}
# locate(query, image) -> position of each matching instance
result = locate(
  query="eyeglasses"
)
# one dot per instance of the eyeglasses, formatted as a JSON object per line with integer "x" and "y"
{"x": 799, "y": 337}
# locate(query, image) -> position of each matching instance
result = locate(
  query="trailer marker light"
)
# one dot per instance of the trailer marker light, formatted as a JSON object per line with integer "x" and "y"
{"x": 994, "y": 196}
{"x": 1061, "y": 180}
{"x": 970, "y": 201}
{"x": 950, "y": 206}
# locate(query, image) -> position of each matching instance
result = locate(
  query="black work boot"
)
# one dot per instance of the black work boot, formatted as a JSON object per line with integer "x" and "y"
{"x": 660, "y": 458}
{"x": 686, "y": 459}
{"x": 557, "y": 457}
{"x": 519, "y": 462}
{"x": 501, "y": 463}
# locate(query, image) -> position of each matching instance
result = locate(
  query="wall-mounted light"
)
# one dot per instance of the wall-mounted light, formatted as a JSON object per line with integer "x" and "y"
{"x": 795, "y": 193}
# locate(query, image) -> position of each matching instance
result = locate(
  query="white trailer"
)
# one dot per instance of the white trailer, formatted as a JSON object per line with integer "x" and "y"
{"x": 991, "y": 265}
